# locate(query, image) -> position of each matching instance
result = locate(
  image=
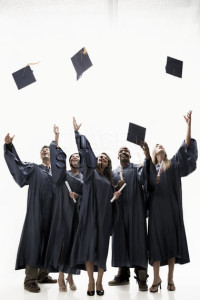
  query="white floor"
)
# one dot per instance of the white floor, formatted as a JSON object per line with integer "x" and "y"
{"x": 187, "y": 287}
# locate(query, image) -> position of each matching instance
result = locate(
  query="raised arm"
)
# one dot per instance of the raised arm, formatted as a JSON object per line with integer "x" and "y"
{"x": 56, "y": 133}
{"x": 58, "y": 159}
{"x": 187, "y": 155}
{"x": 88, "y": 160}
{"x": 21, "y": 171}
{"x": 188, "y": 119}
{"x": 147, "y": 172}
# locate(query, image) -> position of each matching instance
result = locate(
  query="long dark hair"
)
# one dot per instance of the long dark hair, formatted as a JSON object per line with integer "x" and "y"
{"x": 108, "y": 170}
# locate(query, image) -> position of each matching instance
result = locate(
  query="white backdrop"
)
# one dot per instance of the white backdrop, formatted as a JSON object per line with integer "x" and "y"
{"x": 128, "y": 43}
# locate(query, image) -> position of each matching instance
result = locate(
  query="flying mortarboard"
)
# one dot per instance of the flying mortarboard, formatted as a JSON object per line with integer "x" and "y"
{"x": 81, "y": 62}
{"x": 24, "y": 76}
{"x": 174, "y": 67}
{"x": 136, "y": 133}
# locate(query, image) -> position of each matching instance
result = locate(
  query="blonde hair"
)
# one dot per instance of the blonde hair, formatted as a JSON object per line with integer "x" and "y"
{"x": 166, "y": 161}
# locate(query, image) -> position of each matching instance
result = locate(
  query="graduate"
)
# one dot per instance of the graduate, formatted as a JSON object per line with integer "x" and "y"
{"x": 37, "y": 224}
{"x": 167, "y": 238}
{"x": 129, "y": 239}
{"x": 65, "y": 219}
{"x": 97, "y": 213}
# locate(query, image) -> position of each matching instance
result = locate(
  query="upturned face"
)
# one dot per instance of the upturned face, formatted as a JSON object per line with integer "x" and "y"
{"x": 160, "y": 149}
{"x": 74, "y": 160}
{"x": 102, "y": 160}
{"x": 45, "y": 153}
{"x": 124, "y": 154}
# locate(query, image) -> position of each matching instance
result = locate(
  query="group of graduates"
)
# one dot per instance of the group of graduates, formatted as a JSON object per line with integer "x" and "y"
{"x": 70, "y": 216}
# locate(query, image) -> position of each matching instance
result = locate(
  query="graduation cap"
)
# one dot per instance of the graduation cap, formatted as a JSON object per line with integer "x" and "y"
{"x": 24, "y": 77}
{"x": 81, "y": 62}
{"x": 174, "y": 67}
{"x": 136, "y": 133}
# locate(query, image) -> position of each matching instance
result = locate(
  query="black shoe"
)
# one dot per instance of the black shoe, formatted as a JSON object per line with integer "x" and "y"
{"x": 47, "y": 279}
{"x": 157, "y": 285}
{"x": 90, "y": 293}
{"x": 32, "y": 287}
{"x": 118, "y": 280}
{"x": 100, "y": 293}
{"x": 171, "y": 287}
{"x": 141, "y": 278}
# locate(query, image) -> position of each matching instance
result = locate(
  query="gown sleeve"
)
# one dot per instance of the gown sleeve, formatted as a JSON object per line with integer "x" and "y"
{"x": 21, "y": 171}
{"x": 185, "y": 158}
{"x": 147, "y": 175}
{"x": 58, "y": 163}
{"x": 88, "y": 160}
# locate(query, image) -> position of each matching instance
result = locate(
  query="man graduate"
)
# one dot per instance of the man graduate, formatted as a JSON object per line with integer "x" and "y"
{"x": 35, "y": 233}
{"x": 129, "y": 240}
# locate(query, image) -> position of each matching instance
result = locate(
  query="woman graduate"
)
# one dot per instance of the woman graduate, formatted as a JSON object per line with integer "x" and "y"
{"x": 65, "y": 219}
{"x": 167, "y": 238}
{"x": 97, "y": 214}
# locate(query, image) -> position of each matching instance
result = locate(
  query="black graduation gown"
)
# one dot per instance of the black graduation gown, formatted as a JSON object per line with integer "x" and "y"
{"x": 80, "y": 177}
{"x": 97, "y": 214}
{"x": 40, "y": 202}
{"x": 167, "y": 236}
{"x": 65, "y": 219}
{"x": 129, "y": 239}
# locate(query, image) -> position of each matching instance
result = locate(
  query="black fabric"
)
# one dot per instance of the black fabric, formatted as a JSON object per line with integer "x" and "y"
{"x": 174, "y": 67}
{"x": 65, "y": 219}
{"x": 136, "y": 133}
{"x": 97, "y": 214}
{"x": 129, "y": 240}
{"x": 81, "y": 62}
{"x": 40, "y": 203}
{"x": 167, "y": 236}
{"x": 23, "y": 77}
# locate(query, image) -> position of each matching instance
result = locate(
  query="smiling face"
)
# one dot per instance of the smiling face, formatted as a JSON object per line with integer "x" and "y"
{"x": 74, "y": 160}
{"x": 102, "y": 160}
{"x": 124, "y": 155}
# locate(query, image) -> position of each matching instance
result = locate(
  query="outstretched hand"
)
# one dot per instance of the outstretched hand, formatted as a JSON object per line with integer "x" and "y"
{"x": 8, "y": 139}
{"x": 188, "y": 117}
{"x": 76, "y": 126}
{"x": 145, "y": 149}
{"x": 56, "y": 132}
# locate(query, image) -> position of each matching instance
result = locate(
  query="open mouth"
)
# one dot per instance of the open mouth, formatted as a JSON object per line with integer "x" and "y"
{"x": 123, "y": 155}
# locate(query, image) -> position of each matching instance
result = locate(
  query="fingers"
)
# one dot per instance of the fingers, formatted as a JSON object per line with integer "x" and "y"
{"x": 117, "y": 194}
{"x": 188, "y": 116}
{"x": 56, "y": 129}
{"x": 71, "y": 194}
{"x": 144, "y": 145}
{"x": 157, "y": 179}
{"x": 76, "y": 126}
{"x": 8, "y": 139}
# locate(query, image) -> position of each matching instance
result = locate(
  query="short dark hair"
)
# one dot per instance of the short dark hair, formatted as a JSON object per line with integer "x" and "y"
{"x": 44, "y": 147}
{"x": 72, "y": 155}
